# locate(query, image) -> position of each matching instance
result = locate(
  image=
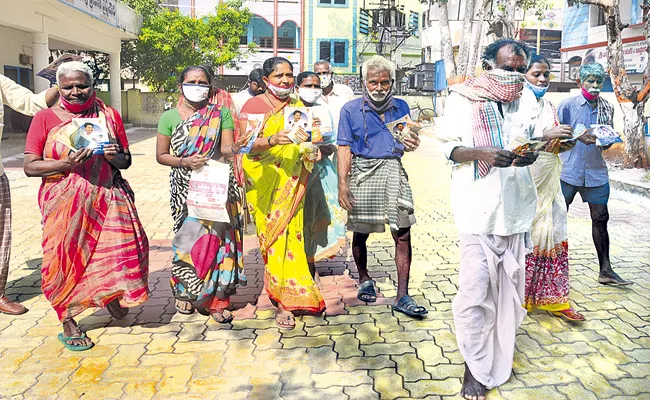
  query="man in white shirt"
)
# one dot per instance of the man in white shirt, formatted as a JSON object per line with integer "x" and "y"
{"x": 25, "y": 102}
{"x": 335, "y": 95}
{"x": 494, "y": 202}
{"x": 255, "y": 86}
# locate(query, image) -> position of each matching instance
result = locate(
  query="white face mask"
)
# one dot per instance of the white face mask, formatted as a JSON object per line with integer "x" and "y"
{"x": 195, "y": 93}
{"x": 325, "y": 80}
{"x": 279, "y": 91}
{"x": 309, "y": 95}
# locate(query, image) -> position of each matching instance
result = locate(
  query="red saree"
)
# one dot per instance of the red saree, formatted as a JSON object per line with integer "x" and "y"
{"x": 94, "y": 247}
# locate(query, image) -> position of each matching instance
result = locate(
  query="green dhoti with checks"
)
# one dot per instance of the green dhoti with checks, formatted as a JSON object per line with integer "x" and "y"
{"x": 382, "y": 195}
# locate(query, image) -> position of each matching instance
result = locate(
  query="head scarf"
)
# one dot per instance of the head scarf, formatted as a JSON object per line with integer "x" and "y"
{"x": 494, "y": 86}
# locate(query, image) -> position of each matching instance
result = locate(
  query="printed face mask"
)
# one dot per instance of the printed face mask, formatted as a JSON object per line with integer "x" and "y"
{"x": 195, "y": 93}
{"x": 309, "y": 95}
{"x": 325, "y": 80}
{"x": 279, "y": 91}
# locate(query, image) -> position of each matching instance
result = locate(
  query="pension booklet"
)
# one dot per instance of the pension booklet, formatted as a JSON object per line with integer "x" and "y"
{"x": 298, "y": 117}
{"x": 85, "y": 133}
{"x": 403, "y": 128}
{"x": 322, "y": 128}
{"x": 49, "y": 72}
{"x": 250, "y": 126}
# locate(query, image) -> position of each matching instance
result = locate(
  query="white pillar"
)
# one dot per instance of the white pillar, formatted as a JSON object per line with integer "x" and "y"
{"x": 41, "y": 46}
{"x": 116, "y": 81}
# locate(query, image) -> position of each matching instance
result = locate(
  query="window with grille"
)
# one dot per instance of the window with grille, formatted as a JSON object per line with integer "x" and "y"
{"x": 335, "y": 51}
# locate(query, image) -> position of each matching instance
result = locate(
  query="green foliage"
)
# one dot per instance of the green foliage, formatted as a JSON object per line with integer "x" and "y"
{"x": 169, "y": 41}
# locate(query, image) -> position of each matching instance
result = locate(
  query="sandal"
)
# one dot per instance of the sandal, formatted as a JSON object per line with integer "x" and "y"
{"x": 72, "y": 347}
{"x": 222, "y": 317}
{"x": 116, "y": 310}
{"x": 187, "y": 307}
{"x": 406, "y": 305}
{"x": 367, "y": 292}
{"x": 569, "y": 314}
{"x": 286, "y": 323}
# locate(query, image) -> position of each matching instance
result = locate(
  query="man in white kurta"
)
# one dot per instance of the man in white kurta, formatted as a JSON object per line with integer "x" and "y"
{"x": 494, "y": 211}
{"x": 25, "y": 102}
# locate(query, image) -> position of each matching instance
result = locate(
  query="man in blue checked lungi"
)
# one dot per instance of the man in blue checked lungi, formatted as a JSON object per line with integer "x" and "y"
{"x": 373, "y": 185}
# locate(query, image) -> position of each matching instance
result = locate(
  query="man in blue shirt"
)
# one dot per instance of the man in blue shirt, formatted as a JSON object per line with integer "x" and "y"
{"x": 373, "y": 185}
{"x": 584, "y": 170}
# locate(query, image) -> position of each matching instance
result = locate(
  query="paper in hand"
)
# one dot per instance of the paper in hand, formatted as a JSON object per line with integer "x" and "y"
{"x": 49, "y": 72}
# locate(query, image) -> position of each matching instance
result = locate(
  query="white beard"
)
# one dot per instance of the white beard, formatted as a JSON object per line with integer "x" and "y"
{"x": 378, "y": 95}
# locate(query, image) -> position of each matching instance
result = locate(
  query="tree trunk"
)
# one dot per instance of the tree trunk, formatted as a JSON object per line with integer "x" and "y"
{"x": 509, "y": 24}
{"x": 477, "y": 38}
{"x": 633, "y": 133}
{"x": 464, "y": 48}
{"x": 632, "y": 102}
{"x": 446, "y": 44}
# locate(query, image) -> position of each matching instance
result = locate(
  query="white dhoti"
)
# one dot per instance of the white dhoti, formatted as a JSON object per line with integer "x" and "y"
{"x": 488, "y": 307}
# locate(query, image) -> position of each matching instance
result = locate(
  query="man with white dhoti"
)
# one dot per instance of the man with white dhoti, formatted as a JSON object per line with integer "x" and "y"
{"x": 493, "y": 200}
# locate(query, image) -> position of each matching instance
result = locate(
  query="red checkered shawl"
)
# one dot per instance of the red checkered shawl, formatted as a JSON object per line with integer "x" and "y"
{"x": 494, "y": 86}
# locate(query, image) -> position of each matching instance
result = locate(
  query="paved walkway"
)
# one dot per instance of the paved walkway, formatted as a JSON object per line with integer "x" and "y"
{"x": 355, "y": 351}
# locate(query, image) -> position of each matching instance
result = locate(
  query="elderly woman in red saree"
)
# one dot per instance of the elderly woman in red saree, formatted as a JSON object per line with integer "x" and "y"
{"x": 95, "y": 250}
{"x": 276, "y": 173}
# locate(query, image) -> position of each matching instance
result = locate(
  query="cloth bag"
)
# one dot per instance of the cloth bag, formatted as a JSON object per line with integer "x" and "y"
{"x": 207, "y": 194}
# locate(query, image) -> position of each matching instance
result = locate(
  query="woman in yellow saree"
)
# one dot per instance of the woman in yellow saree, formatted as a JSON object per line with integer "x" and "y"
{"x": 276, "y": 172}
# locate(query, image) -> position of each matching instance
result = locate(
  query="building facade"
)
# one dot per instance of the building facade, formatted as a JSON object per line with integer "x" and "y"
{"x": 584, "y": 39}
{"x": 305, "y": 31}
{"x": 29, "y": 29}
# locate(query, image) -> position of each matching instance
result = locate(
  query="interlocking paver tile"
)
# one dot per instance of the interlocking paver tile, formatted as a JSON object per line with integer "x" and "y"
{"x": 355, "y": 350}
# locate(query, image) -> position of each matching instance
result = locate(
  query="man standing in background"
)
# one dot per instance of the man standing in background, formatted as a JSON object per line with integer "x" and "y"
{"x": 23, "y": 101}
{"x": 335, "y": 95}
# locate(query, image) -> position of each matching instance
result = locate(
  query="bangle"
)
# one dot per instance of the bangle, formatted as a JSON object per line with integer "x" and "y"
{"x": 232, "y": 148}
{"x": 180, "y": 163}
{"x": 269, "y": 140}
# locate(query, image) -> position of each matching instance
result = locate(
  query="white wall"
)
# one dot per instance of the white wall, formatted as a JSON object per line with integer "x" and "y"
{"x": 13, "y": 42}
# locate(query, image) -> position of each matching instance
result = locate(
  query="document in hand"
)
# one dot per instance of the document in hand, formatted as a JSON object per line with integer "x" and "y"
{"x": 86, "y": 133}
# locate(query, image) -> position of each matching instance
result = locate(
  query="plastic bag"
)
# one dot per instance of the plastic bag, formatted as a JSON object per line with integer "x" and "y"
{"x": 207, "y": 194}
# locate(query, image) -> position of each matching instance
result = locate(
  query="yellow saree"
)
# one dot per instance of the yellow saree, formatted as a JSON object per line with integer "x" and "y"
{"x": 276, "y": 182}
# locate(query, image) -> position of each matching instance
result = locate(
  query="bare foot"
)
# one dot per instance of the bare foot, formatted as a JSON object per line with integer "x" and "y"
{"x": 472, "y": 389}
{"x": 284, "y": 319}
{"x": 70, "y": 329}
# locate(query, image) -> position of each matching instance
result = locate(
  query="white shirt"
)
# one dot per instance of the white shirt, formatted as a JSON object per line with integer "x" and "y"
{"x": 240, "y": 98}
{"x": 337, "y": 98}
{"x": 19, "y": 99}
{"x": 504, "y": 201}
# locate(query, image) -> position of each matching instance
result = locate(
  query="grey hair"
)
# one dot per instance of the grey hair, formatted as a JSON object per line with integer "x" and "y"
{"x": 323, "y": 62}
{"x": 378, "y": 63}
{"x": 73, "y": 66}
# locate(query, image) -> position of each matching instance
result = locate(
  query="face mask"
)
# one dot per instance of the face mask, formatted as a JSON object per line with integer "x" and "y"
{"x": 76, "y": 107}
{"x": 195, "y": 93}
{"x": 591, "y": 95}
{"x": 280, "y": 92}
{"x": 539, "y": 91}
{"x": 309, "y": 95}
{"x": 325, "y": 80}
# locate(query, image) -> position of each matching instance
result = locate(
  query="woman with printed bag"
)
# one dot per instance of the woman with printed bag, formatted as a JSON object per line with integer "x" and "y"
{"x": 208, "y": 262}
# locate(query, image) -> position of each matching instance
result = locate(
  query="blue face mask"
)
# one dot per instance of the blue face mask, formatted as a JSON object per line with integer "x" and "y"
{"x": 537, "y": 90}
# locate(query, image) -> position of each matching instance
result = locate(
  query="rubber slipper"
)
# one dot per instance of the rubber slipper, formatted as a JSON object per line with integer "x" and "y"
{"x": 569, "y": 315}
{"x": 406, "y": 305}
{"x": 71, "y": 347}
{"x": 367, "y": 292}
{"x": 224, "y": 319}
{"x": 116, "y": 310}
{"x": 180, "y": 310}
{"x": 614, "y": 281}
